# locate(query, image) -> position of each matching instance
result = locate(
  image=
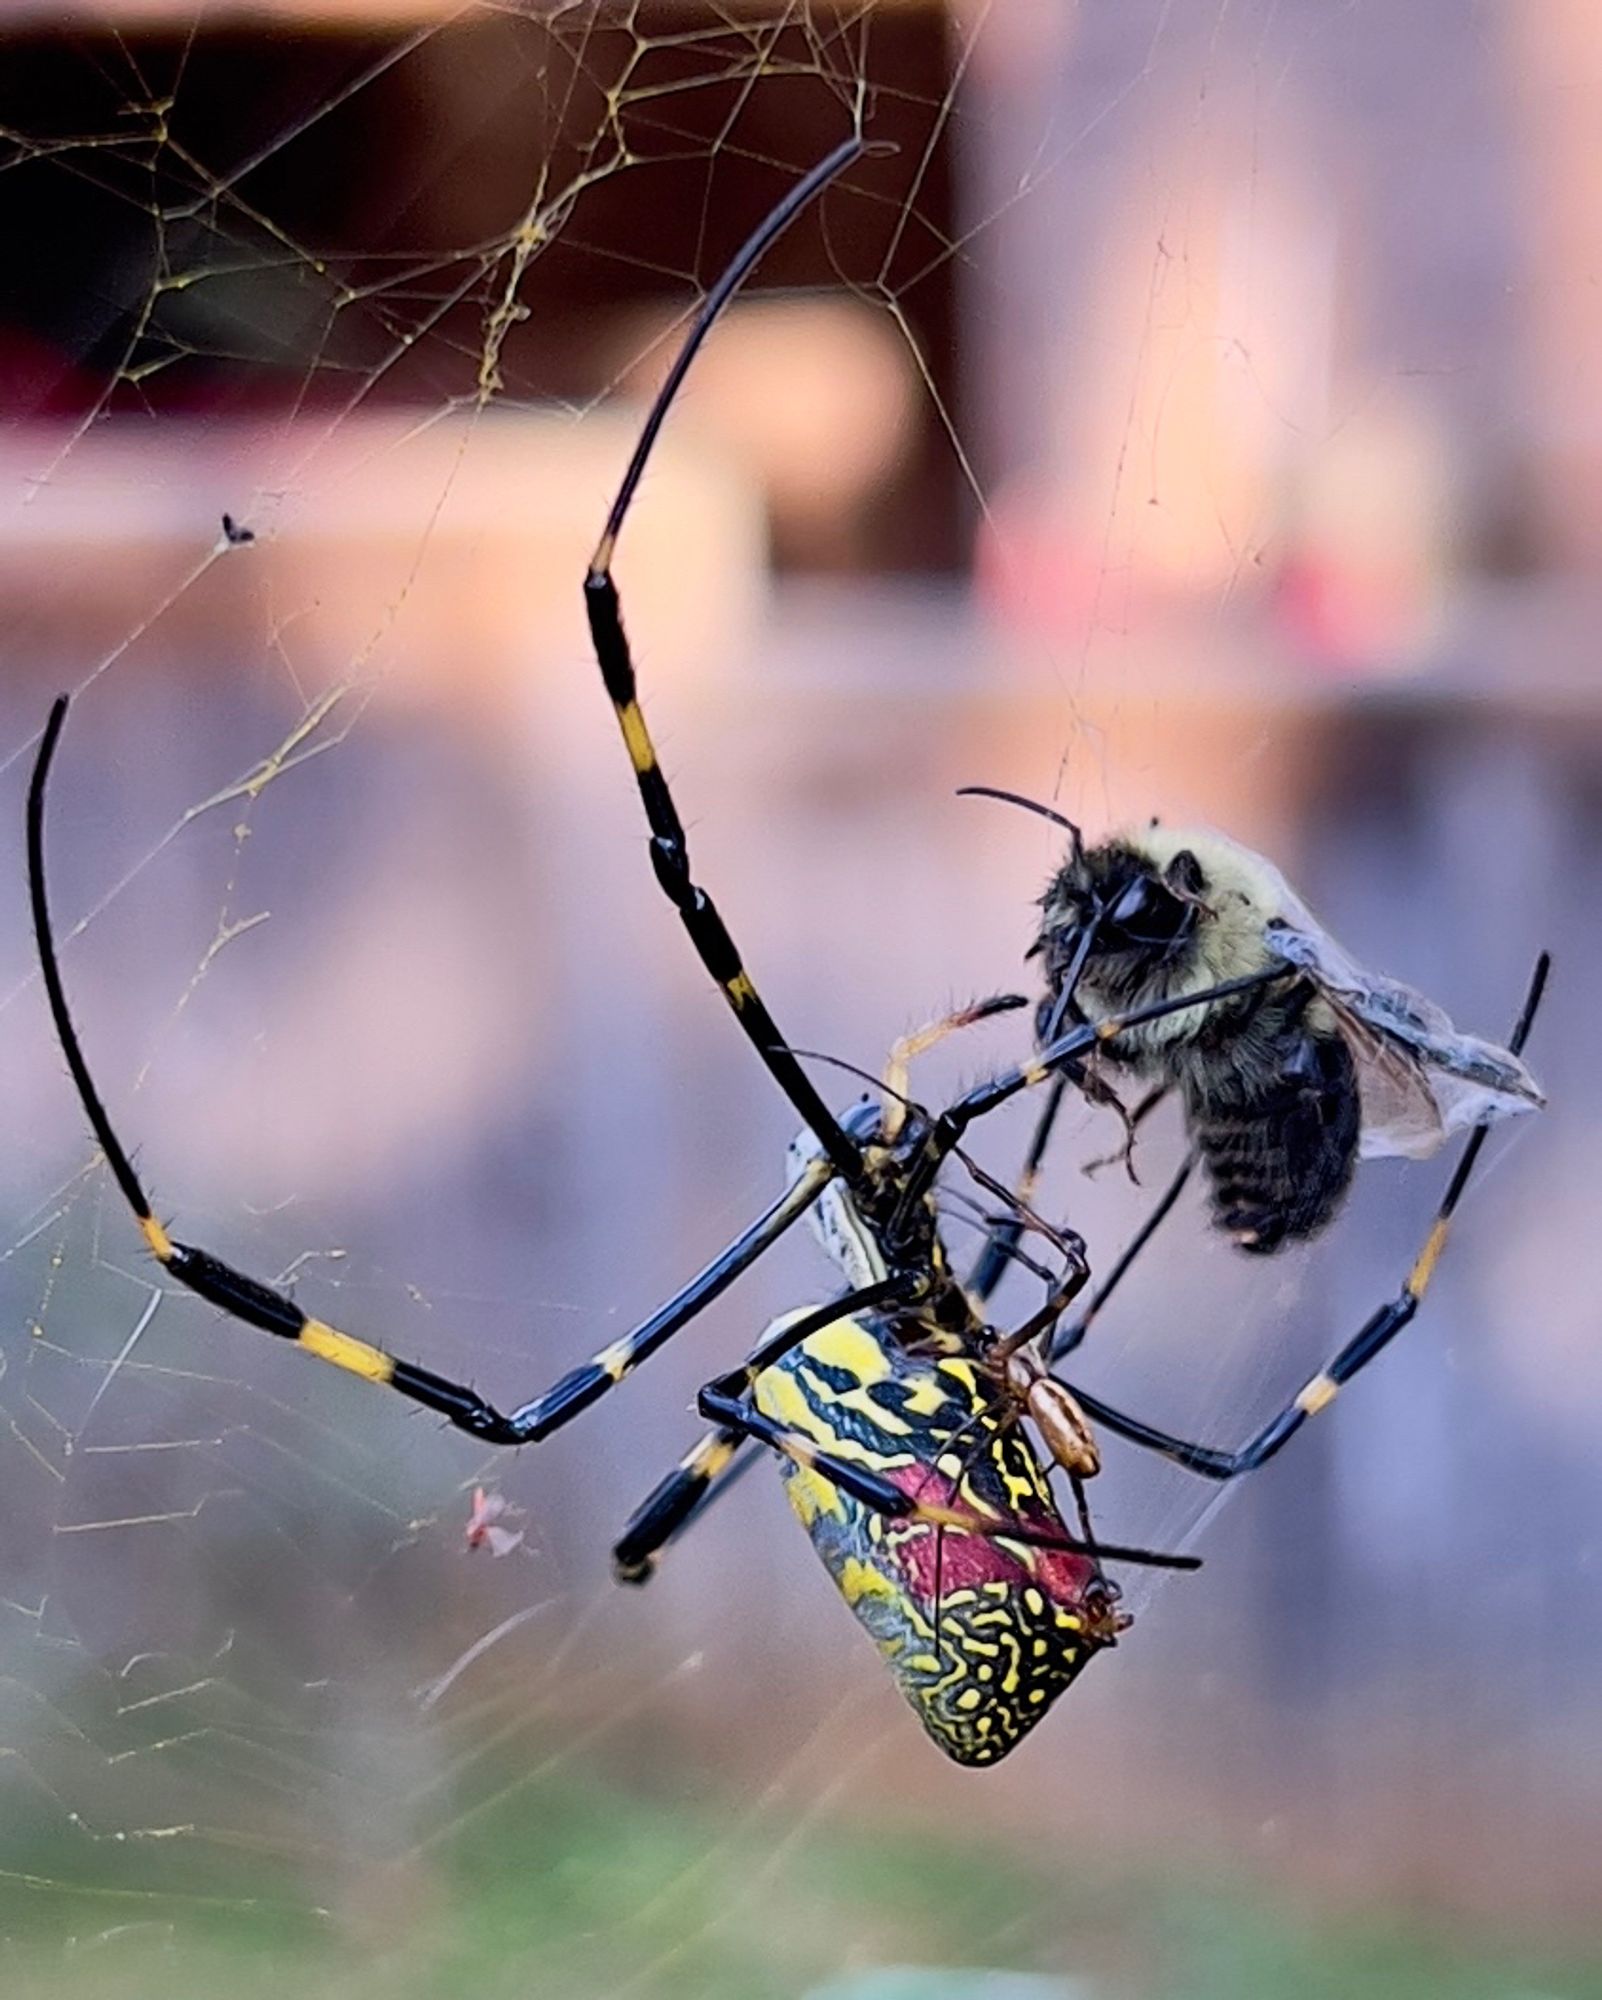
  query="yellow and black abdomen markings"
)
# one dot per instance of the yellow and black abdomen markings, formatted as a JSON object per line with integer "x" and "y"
{"x": 980, "y": 1632}
{"x": 1005, "y": 1653}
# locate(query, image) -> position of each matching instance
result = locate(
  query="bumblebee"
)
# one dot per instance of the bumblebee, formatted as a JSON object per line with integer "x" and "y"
{"x": 1285, "y": 1086}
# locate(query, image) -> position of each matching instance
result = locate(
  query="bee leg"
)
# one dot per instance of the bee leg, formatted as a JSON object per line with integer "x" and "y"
{"x": 1133, "y": 1120}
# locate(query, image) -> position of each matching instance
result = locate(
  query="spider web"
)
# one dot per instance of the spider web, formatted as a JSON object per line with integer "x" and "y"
{"x": 354, "y": 917}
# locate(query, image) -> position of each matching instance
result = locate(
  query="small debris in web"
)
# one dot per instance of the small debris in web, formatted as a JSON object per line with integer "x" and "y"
{"x": 235, "y": 534}
{"x": 484, "y": 1529}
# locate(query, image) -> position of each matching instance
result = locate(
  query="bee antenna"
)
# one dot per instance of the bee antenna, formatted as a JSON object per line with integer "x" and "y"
{"x": 1029, "y": 805}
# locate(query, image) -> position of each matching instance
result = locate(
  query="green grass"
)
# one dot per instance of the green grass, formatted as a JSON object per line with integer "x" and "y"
{"x": 581, "y": 1889}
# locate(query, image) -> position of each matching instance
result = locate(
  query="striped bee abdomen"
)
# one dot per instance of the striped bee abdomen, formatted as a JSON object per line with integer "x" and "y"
{"x": 1279, "y": 1155}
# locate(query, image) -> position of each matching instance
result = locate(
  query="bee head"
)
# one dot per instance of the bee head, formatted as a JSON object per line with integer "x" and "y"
{"x": 1114, "y": 916}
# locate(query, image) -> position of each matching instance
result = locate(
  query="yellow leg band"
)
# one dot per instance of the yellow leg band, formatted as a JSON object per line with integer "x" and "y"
{"x": 710, "y": 1457}
{"x": 1318, "y": 1395}
{"x": 158, "y": 1239}
{"x": 355, "y": 1356}
{"x": 614, "y": 1361}
{"x": 1418, "y": 1278}
{"x": 740, "y": 990}
{"x": 642, "y": 752}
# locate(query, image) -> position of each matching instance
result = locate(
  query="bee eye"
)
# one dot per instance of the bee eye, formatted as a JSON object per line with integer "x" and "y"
{"x": 1132, "y": 903}
{"x": 1146, "y": 915}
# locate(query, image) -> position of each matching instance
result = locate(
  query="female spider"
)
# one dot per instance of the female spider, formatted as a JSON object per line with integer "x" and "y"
{"x": 894, "y": 1405}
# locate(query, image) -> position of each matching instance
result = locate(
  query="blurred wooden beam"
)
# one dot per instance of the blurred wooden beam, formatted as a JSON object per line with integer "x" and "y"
{"x": 367, "y": 15}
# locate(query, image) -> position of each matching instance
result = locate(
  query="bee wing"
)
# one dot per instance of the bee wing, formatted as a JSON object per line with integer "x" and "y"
{"x": 1403, "y": 1111}
{"x": 1421, "y": 1079}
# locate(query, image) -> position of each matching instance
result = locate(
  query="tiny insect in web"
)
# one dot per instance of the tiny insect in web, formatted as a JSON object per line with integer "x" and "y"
{"x": 489, "y": 1524}
{"x": 896, "y": 1409}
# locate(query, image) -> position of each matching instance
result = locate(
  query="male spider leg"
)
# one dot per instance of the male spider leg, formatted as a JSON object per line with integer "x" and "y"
{"x": 1050, "y": 1415}
{"x": 272, "y": 1311}
{"x": 670, "y": 855}
{"x": 1002, "y": 1243}
{"x": 1070, "y": 1337}
{"x": 990, "y": 1266}
{"x": 1375, "y": 1335}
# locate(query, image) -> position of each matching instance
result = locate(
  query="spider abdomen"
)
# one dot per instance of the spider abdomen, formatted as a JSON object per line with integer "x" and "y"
{"x": 980, "y": 1633}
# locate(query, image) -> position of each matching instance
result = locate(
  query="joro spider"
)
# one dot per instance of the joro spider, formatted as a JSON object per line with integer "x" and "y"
{"x": 895, "y": 1405}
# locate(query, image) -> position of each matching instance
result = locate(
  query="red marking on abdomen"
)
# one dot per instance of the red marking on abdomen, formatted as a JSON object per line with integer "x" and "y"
{"x": 943, "y": 1560}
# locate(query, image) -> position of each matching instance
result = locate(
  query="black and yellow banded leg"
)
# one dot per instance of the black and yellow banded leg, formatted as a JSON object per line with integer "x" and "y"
{"x": 273, "y": 1311}
{"x": 670, "y": 855}
{"x": 583, "y": 1385}
{"x": 1371, "y": 1340}
{"x": 709, "y": 1468}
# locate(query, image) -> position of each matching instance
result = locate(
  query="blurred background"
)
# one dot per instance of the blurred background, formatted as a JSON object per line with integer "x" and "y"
{"x": 1193, "y": 411}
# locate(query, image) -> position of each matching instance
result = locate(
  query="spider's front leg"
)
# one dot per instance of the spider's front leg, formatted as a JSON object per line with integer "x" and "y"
{"x": 670, "y": 853}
